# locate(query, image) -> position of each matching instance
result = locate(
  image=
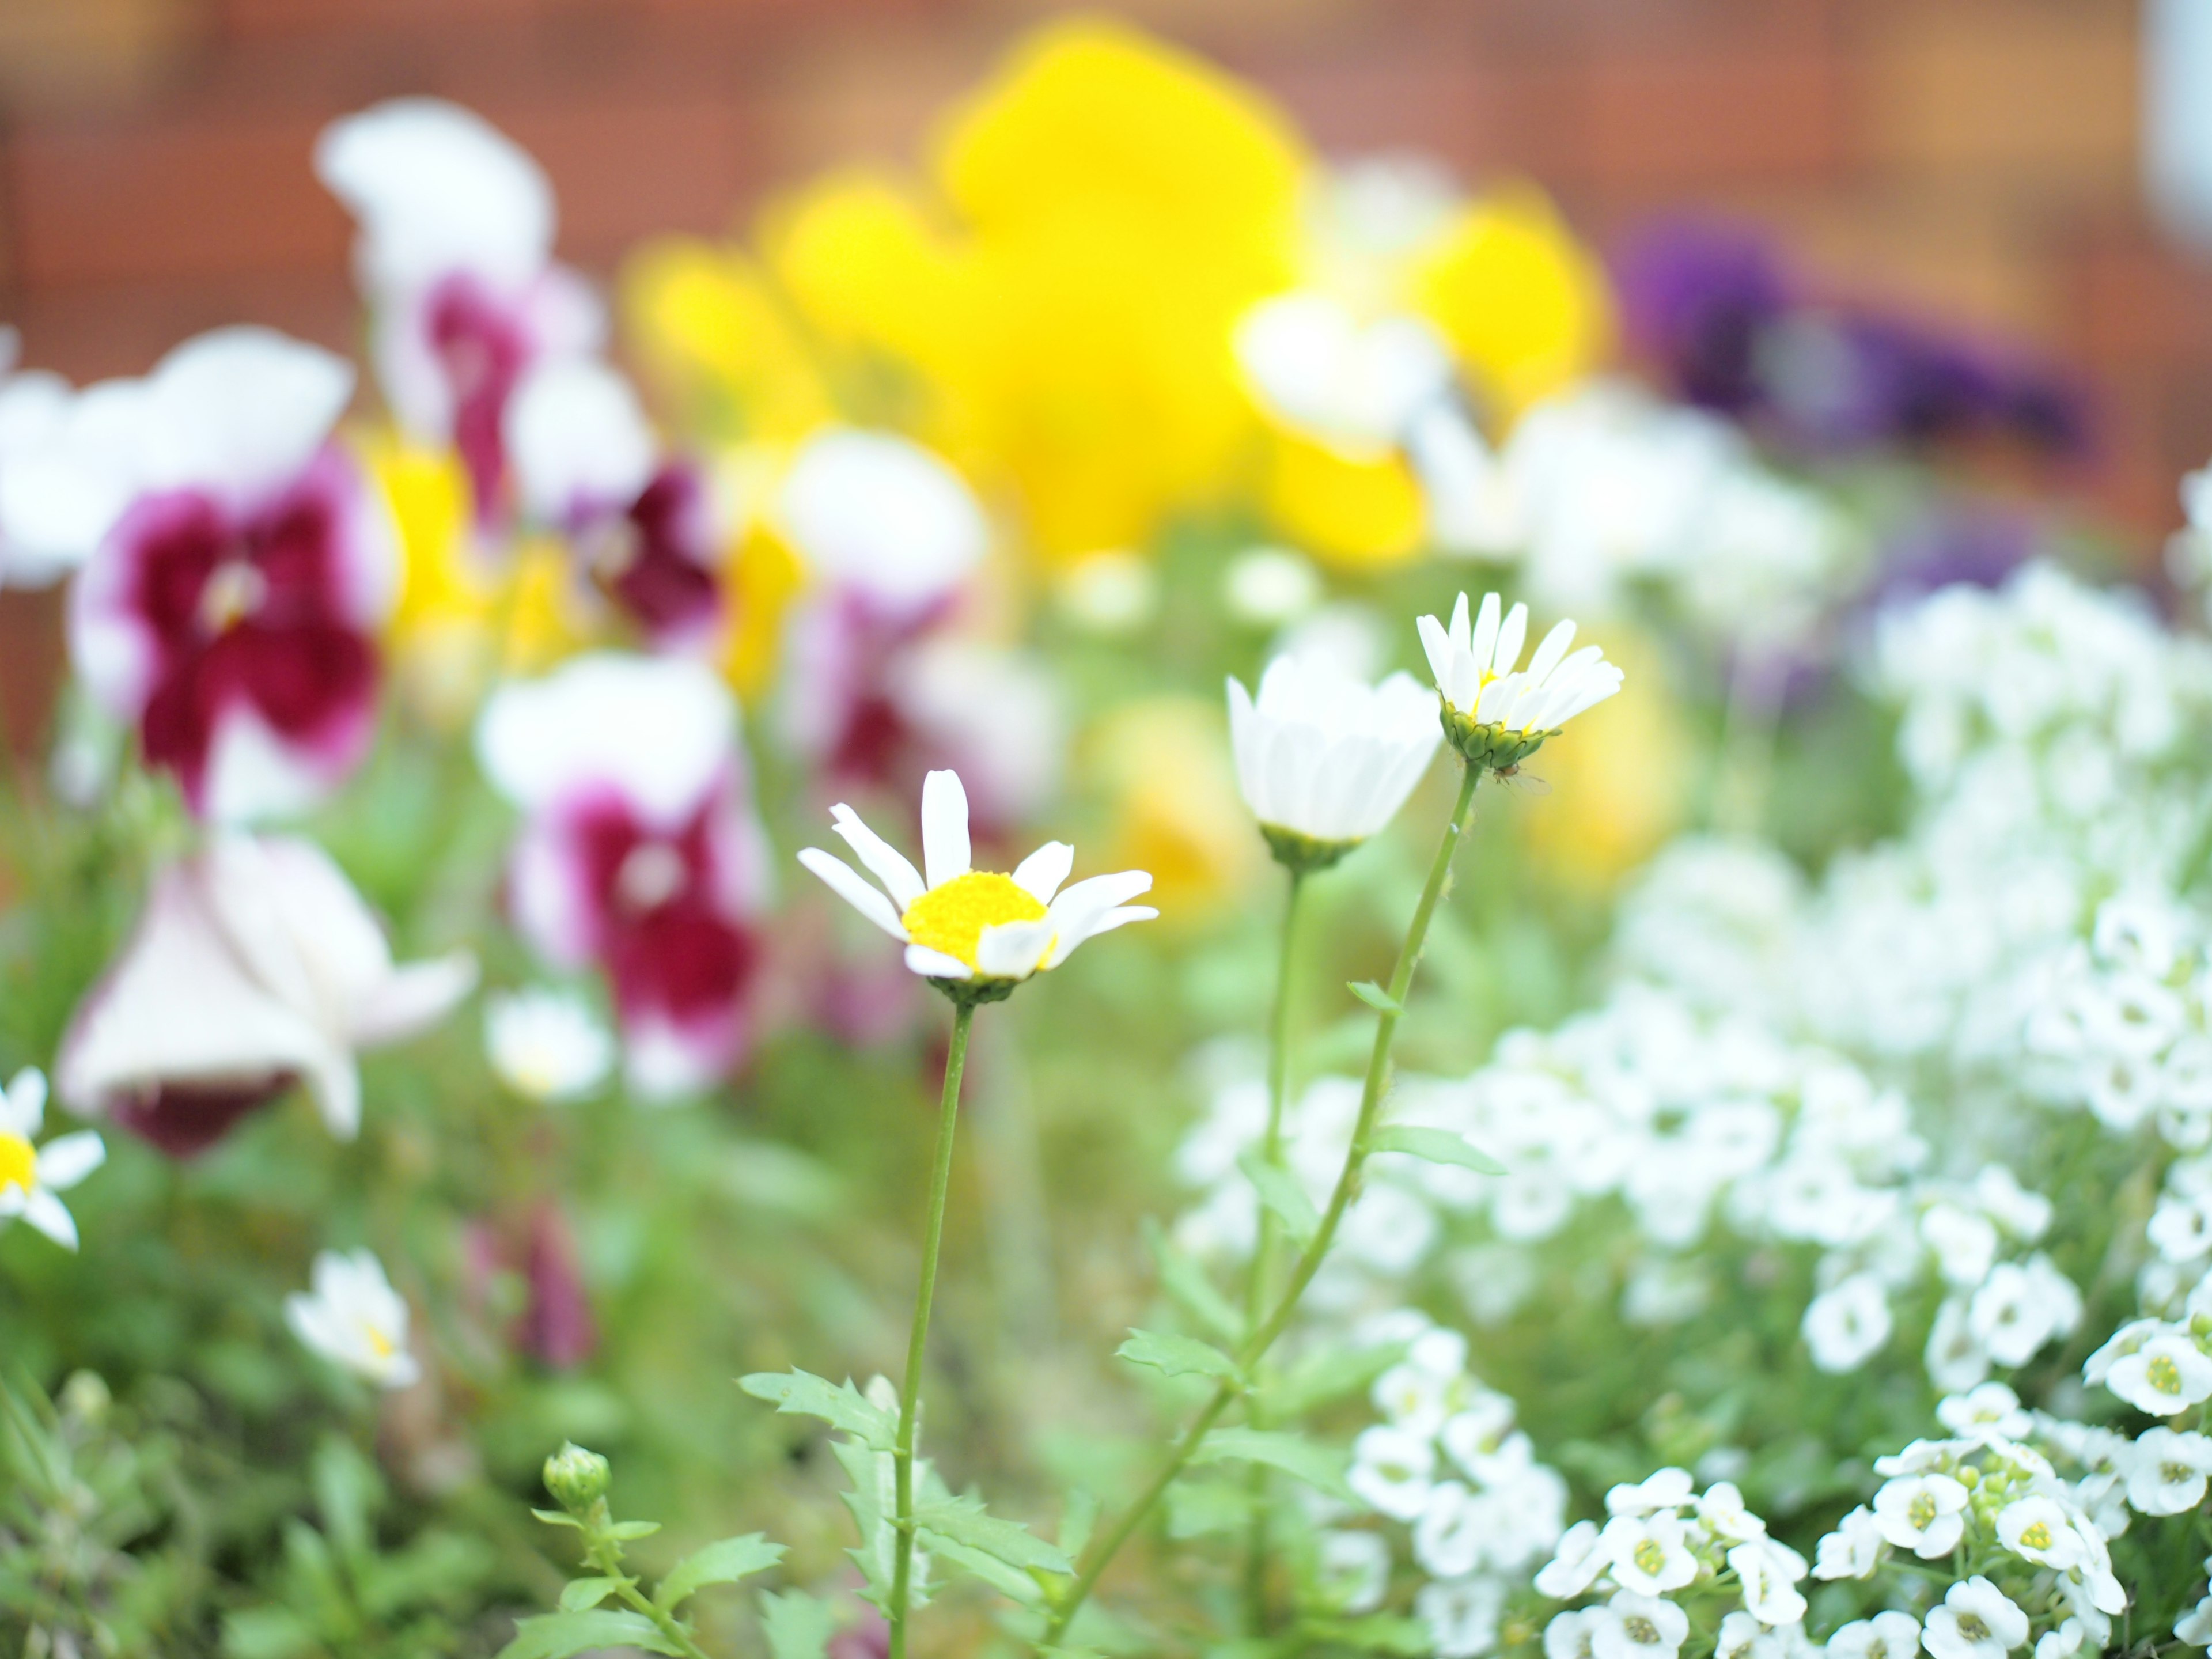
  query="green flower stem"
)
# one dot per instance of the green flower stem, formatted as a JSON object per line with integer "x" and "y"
{"x": 948, "y": 1116}
{"x": 605, "y": 1553}
{"x": 1310, "y": 1260}
{"x": 1263, "y": 1249}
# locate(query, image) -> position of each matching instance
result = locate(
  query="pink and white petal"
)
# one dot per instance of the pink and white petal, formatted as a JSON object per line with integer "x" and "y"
{"x": 854, "y": 888}
{"x": 63, "y": 493}
{"x": 67, "y": 1159}
{"x": 294, "y": 921}
{"x": 548, "y": 893}
{"x": 240, "y": 411}
{"x": 885, "y": 862}
{"x": 411, "y": 998}
{"x": 255, "y": 774}
{"x": 1012, "y": 949}
{"x": 577, "y": 438}
{"x": 1041, "y": 873}
{"x": 945, "y": 850}
{"x": 664, "y": 1061}
{"x": 540, "y": 740}
{"x": 935, "y": 964}
{"x": 333, "y": 1082}
{"x": 111, "y": 649}
{"x": 51, "y": 1217}
{"x": 879, "y": 512}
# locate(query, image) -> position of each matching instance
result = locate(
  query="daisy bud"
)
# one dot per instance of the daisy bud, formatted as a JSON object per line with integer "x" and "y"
{"x": 576, "y": 1478}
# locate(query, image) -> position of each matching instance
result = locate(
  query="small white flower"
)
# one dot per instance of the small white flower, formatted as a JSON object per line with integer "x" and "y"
{"x": 1921, "y": 1455}
{"x": 1461, "y": 1617}
{"x": 1355, "y": 1569}
{"x": 1976, "y": 1620}
{"x": 547, "y": 1044}
{"x": 354, "y": 1319}
{"x": 2063, "y": 1643}
{"x": 2181, "y": 1227}
{"x": 1325, "y": 756}
{"x": 1575, "y": 1565}
{"x": 2036, "y": 1529}
{"x": 1723, "y": 1511}
{"x": 1475, "y": 670}
{"x": 1885, "y": 1636}
{"x": 1854, "y": 1550}
{"x": 2167, "y": 1374}
{"x": 1739, "y": 1636}
{"x": 1965, "y": 1243}
{"x": 1391, "y": 1469}
{"x": 1990, "y": 1410}
{"x": 1454, "y": 1531}
{"x": 1768, "y": 1572}
{"x": 2167, "y": 1476}
{"x": 1920, "y": 1513}
{"x": 2020, "y": 1307}
{"x": 1665, "y": 1489}
{"x": 2193, "y": 1628}
{"x": 1846, "y": 1326}
{"x": 1639, "y": 1628}
{"x": 31, "y": 1175}
{"x": 1477, "y": 1430}
{"x": 967, "y": 924}
{"x": 1650, "y": 1554}
{"x": 1568, "y": 1635}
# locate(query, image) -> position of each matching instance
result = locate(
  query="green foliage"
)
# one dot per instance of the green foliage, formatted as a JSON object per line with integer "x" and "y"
{"x": 1177, "y": 1356}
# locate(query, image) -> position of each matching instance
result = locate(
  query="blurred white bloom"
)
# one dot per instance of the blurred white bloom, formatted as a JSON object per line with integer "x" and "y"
{"x": 2129, "y": 1339}
{"x": 1768, "y": 1572}
{"x": 1662, "y": 1489}
{"x": 1955, "y": 1358}
{"x": 2168, "y": 1472}
{"x": 1110, "y": 594}
{"x": 1990, "y": 1410}
{"x": 1847, "y": 1325}
{"x": 1648, "y": 1554}
{"x": 1476, "y": 673}
{"x": 31, "y": 1175}
{"x": 1885, "y": 1636}
{"x": 1391, "y": 1469}
{"x": 1354, "y": 1568}
{"x": 546, "y": 1044}
{"x": 877, "y": 514}
{"x": 1568, "y": 1634}
{"x": 1316, "y": 367}
{"x": 1965, "y": 1243}
{"x": 1636, "y": 1626}
{"x": 354, "y": 1319}
{"x": 2167, "y": 1374}
{"x": 963, "y": 924}
{"x": 1854, "y": 1550}
{"x": 1268, "y": 586}
{"x": 1976, "y": 1620}
{"x": 2036, "y": 1529}
{"x": 1324, "y": 760}
{"x": 1575, "y": 1565}
{"x": 1453, "y": 1531}
{"x": 2022, "y": 1306}
{"x": 1920, "y": 1513}
{"x": 1461, "y": 1618}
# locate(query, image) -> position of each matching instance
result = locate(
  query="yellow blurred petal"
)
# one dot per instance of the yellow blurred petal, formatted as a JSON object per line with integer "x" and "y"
{"x": 719, "y": 344}
{"x": 539, "y": 618}
{"x": 1352, "y": 514}
{"x": 762, "y": 575}
{"x": 1164, "y": 764}
{"x": 1525, "y": 305}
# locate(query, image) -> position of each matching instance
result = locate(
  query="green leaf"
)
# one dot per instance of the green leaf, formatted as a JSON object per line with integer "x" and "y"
{"x": 557, "y": 1518}
{"x": 1203, "y": 1509}
{"x": 1317, "y": 1465}
{"x": 348, "y": 1492}
{"x": 1437, "y": 1146}
{"x": 965, "y": 1521}
{"x": 839, "y": 1405}
{"x": 797, "y": 1625}
{"x": 1010, "y": 1581}
{"x": 724, "y": 1562}
{"x": 1177, "y": 1356}
{"x": 624, "y": 1531}
{"x": 1326, "y": 1375}
{"x": 579, "y": 1593}
{"x": 266, "y": 1633}
{"x": 871, "y": 1499}
{"x": 1279, "y": 1191}
{"x": 559, "y": 1635}
{"x": 1375, "y": 997}
{"x": 1185, "y": 1281}
{"x": 1077, "y": 1518}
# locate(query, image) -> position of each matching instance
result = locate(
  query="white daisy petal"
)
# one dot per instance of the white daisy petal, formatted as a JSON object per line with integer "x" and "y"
{"x": 935, "y": 964}
{"x": 1551, "y": 651}
{"x": 51, "y": 1217}
{"x": 885, "y": 862}
{"x": 68, "y": 1159}
{"x": 1437, "y": 644}
{"x": 944, "y": 853}
{"x": 1509, "y": 638}
{"x": 1483, "y": 645}
{"x": 1012, "y": 949}
{"x": 1041, "y": 873}
{"x": 853, "y": 889}
{"x": 27, "y": 1101}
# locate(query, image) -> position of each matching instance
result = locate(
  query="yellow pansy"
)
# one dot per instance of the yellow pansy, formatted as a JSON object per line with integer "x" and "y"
{"x": 720, "y": 343}
{"x": 1347, "y": 510}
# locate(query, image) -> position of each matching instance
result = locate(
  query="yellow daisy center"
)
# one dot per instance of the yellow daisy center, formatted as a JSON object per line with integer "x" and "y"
{"x": 19, "y": 1163}
{"x": 952, "y": 916}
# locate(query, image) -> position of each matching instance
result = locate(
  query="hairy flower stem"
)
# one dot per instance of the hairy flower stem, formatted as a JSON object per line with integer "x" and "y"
{"x": 1309, "y": 1261}
{"x": 1263, "y": 1249}
{"x": 948, "y": 1116}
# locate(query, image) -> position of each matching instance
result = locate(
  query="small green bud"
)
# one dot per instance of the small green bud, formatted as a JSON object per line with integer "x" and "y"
{"x": 1493, "y": 747}
{"x": 576, "y": 1478}
{"x": 1969, "y": 1477}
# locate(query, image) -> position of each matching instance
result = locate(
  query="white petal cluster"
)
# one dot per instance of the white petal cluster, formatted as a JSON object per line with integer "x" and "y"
{"x": 354, "y": 1319}
{"x": 546, "y": 1044}
{"x": 32, "y": 1176}
{"x": 1326, "y": 756}
{"x": 1476, "y": 665}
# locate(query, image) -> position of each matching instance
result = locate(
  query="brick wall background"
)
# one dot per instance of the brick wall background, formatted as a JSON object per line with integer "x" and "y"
{"x": 1976, "y": 159}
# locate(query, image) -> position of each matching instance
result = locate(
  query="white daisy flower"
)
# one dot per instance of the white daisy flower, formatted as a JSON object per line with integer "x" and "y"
{"x": 1854, "y": 1550}
{"x": 1920, "y": 1513}
{"x": 354, "y": 1319}
{"x": 1885, "y": 1636}
{"x": 964, "y": 925}
{"x": 31, "y": 1175}
{"x": 2165, "y": 1374}
{"x": 1650, "y": 1554}
{"x": 1634, "y": 1626}
{"x": 2167, "y": 1472}
{"x": 547, "y": 1044}
{"x": 1976, "y": 1620}
{"x": 1325, "y": 760}
{"x": 2036, "y": 1529}
{"x": 1495, "y": 712}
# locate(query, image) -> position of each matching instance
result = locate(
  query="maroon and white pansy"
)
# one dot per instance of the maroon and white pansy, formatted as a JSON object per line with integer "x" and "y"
{"x": 639, "y": 853}
{"x": 645, "y": 532}
{"x": 255, "y": 966}
{"x": 455, "y": 256}
{"x": 229, "y": 609}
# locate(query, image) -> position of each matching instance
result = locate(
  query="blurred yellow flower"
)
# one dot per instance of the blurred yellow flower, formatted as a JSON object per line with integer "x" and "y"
{"x": 1163, "y": 763}
{"x": 1348, "y": 511}
{"x": 719, "y": 343}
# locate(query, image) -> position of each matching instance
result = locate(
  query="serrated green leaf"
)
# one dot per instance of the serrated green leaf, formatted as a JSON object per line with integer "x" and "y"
{"x": 579, "y": 1593}
{"x": 1010, "y": 1581}
{"x": 965, "y": 1521}
{"x": 559, "y": 1635}
{"x": 1318, "y": 1466}
{"x": 723, "y": 1562}
{"x": 1177, "y": 1356}
{"x": 1326, "y": 1375}
{"x": 1375, "y": 997}
{"x": 1182, "y": 1279}
{"x": 1437, "y": 1146}
{"x": 627, "y": 1530}
{"x": 557, "y": 1518}
{"x": 872, "y": 1498}
{"x": 1279, "y": 1191}
{"x": 1076, "y": 1521}
{"x": 797, "y": 1625}
{"x": 839, "y": 1405}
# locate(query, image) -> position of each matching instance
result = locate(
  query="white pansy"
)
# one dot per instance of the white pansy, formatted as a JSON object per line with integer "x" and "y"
{"x": 31, "y": 1175}
{"x": 1846, "y": 1325}
{"x": 2167, "y": 1472}
{"x": 2036, "y": 1529}
{"x": 354, "y": 1319}
{"x": 2167, "y": 1374}
{"x": 577, "y": 438}
{"x": 877, "y": 514}
{"x": 1475, "y": 664}
{"x": 1648, "y": 1554}
{"x": 1461, "y": 1618}
{"x": 1315, "y": 367}
{"x": 1392, "y": 1471}
{"x": 1885, "y": 1636}
{"x": 1634, "y": 1626}
{"x": 1325, "y": 756}
{"x": 960, "y": 924}
{"x": 1976, "y": 1620}
{"x": 547, "y": 1044}
{"x": 1920, "y": 1513}
{"x": 1853, "y": 1550}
